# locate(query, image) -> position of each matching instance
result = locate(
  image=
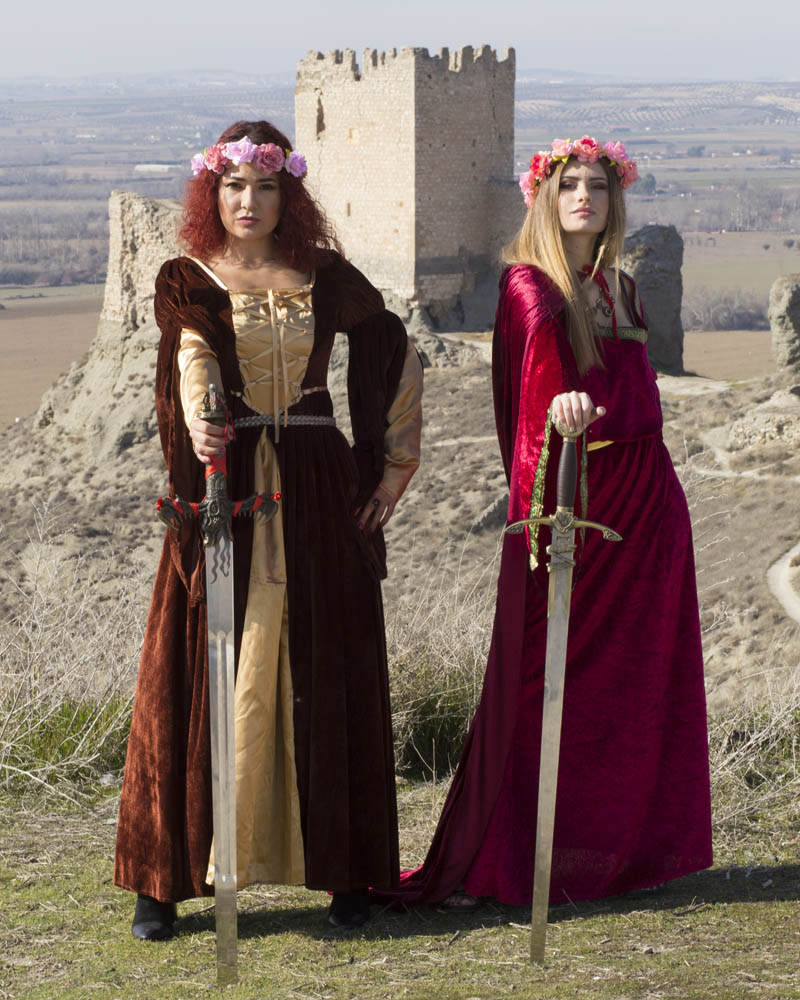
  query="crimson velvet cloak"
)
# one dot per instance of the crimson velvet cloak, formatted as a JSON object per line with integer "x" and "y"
{"x": 633, "y": 806}
{"x": 342, "y": 722}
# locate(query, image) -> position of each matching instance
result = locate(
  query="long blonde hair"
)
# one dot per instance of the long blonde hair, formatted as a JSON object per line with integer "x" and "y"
{"x": 540, "y": 242}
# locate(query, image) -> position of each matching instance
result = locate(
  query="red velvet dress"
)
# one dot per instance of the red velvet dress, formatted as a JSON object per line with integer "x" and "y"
{"x": 633, "y": 805}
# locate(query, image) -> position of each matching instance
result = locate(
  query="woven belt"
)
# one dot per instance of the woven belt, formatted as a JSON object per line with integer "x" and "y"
{"x": 306, "y": 420}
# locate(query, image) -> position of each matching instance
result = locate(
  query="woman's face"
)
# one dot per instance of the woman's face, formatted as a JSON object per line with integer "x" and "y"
{"x": 583, "y": 198}
{"x": 249, "y": 202}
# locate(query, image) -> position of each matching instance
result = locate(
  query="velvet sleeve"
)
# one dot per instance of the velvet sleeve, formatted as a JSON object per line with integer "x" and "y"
{"x": 377, "y": 356}
{"x": 532, "y": 362}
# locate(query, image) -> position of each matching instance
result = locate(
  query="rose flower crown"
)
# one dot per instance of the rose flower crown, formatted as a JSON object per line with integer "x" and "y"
{"x": 267, "y": 157}
{"x": 585, "y": 150}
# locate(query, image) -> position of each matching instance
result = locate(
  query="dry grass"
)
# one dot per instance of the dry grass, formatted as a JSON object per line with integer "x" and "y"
{"x": 438, "y": 639}
{"x": 68, "y": 665}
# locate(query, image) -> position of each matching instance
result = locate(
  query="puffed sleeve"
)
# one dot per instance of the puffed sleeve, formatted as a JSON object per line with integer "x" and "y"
{"x": 403, "y": 434}
{"x": 198, "y": 368}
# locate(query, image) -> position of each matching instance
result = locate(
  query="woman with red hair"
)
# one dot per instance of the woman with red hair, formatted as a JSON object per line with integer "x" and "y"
{"x": 254, "y": 308}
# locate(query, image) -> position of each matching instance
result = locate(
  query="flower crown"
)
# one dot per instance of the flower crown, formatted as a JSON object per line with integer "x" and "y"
{"x": 268, "y": 157}
{"x": 585, "y": 150}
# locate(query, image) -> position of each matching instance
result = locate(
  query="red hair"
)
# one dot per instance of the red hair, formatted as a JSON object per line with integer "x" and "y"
{"x": 303, "y": 230}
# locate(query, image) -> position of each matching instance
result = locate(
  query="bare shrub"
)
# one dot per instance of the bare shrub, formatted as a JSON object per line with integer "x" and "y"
{"x": 755, "y": 772}
{"x": 438, "y": 640}
{"x": 67, "y": 664}
{"x": 707, "y": 308}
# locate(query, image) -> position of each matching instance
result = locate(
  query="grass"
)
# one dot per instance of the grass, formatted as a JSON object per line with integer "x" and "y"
{"x": 731, "y": 932}
{"x": 68, "y": 662}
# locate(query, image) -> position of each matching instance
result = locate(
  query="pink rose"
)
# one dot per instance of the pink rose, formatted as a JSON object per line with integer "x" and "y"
{"x": 242, "y": 151}
{"x": 587, "y": 150}
{"x": 563, "y": 147}
{"x": 616, "y": 151}
{"x": 215, "y": 159}
{"x": 198, "y": 164}
{"x": 296, "y": 164}
{"x": 268, "y": 158}
{"x": 628, "y": 173}
{"x": 540, "y": 165}
{"x": 526, "y": 186}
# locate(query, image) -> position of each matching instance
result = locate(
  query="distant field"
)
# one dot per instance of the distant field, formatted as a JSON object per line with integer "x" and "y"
{"x": 39, "y": 340}
{"x": 738, "y": 260}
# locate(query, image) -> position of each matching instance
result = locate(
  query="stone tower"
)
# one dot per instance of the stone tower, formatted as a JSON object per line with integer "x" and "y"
{"x": 412, "y": 157}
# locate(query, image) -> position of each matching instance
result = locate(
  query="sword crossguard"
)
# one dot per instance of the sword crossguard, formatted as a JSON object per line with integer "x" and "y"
{"x": 563, "y": 521}
{"x": 216, "y": 510}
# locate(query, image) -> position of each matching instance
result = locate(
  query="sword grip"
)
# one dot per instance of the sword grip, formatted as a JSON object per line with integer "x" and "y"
{"x": 567, "y": 473}
{"x": 216, "y": 510}
{"x": 214, "y": 413}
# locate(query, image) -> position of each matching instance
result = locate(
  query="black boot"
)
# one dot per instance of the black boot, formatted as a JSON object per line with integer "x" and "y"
{"x": 152, "y": 921}
{"x": 349, "y": 909}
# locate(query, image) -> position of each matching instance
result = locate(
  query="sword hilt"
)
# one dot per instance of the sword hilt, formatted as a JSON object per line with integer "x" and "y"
{"x": 562, "y": 521}
{"x": 216, "y": 510}
{"x": 567, "y": 470}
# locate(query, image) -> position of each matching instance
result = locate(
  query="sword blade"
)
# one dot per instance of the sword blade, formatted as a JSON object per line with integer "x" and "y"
{"x": 221, "y": 664}
{"x": 559, "y": 596}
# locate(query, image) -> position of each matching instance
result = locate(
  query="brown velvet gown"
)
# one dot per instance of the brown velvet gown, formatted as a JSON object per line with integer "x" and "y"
{"x": 342, "y": 724}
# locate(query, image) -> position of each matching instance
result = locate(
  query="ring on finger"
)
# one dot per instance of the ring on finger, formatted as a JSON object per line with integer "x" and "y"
{"x": 375, "y": 502}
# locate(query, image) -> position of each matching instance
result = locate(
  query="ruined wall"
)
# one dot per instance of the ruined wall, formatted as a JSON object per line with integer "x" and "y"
{"x": 653, "y": 256}
{"x": 404, "y": 154}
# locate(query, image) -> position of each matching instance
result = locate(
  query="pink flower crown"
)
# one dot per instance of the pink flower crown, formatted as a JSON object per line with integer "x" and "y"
{"x": 585, "y": 150}
{"x": 267, "y": 157}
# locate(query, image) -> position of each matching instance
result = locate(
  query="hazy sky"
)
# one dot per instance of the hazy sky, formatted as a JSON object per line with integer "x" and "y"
{"x": 668, "y": 39}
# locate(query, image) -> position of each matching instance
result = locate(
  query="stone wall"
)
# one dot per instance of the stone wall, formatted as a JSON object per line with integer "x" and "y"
{"x": 784, "y": 320}
{"x": 654, "y": 256}
{"x": 405, "y": 154}
{"x": 356, "y": 129}
{"x": 142, "y": 234}
{"x": 464, "y": 111}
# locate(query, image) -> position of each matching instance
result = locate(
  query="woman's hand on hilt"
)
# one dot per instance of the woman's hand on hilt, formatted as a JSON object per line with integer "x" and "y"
{"x": 376, "y": 511}
{"x": 574, "y": 411}
{"x": 208, "y": 440}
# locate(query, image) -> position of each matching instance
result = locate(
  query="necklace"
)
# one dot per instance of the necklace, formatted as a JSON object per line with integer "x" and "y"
{"x": 605, "y": 306}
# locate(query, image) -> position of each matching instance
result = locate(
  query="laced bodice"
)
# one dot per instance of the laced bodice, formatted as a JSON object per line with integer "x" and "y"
{"x": 274, "y": 336}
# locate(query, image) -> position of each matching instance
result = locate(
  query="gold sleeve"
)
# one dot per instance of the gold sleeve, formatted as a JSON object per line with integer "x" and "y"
{"x": 401, "y": 441}
{"x": 198, "y": 366}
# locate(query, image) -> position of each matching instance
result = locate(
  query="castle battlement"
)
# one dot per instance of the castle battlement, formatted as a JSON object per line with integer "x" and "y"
{"x": 340, "y": 65}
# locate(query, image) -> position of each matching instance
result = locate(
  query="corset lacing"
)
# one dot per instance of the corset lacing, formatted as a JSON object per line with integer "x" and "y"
{"x": 250, "y": 317}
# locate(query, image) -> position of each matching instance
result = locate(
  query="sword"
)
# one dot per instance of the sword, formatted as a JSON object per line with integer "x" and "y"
{"x": 215, "y": 514}
{"x": 562, "y": 526}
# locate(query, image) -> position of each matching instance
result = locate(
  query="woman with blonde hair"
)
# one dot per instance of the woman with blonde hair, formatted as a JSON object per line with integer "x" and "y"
{"x": 569, "y": 349}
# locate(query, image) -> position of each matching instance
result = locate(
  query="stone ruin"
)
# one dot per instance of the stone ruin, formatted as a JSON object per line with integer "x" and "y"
{"x": 784, "y": 320}
{"x": 412, "y": 157}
